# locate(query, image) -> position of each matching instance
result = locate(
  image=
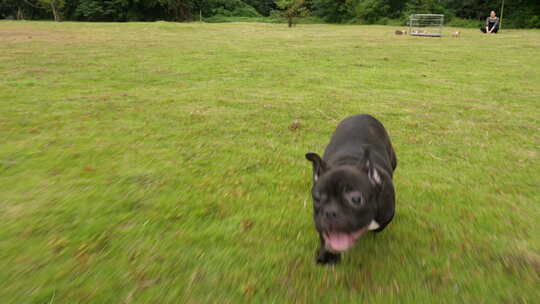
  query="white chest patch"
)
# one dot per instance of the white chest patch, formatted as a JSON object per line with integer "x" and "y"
{"x": 373, "y": 225}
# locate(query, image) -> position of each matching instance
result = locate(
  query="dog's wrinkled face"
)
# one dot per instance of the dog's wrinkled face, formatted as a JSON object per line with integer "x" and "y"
{"x": 344, "y": 202}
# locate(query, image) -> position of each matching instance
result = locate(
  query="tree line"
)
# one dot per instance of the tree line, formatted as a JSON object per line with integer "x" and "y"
{"x": 517, "y": 13}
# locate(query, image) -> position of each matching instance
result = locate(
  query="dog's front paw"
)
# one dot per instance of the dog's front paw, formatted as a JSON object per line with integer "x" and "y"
{"x": 327, "y": 258}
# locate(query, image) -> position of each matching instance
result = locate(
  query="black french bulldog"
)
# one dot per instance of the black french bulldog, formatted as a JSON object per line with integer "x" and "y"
{"x": 352, "y": 185}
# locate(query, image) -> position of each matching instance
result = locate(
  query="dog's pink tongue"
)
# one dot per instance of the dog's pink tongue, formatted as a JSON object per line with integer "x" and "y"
{"x": 339, "y": 241}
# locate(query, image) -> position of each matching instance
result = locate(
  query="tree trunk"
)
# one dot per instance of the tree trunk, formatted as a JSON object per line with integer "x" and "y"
{"x": 55, "y": 12}
{"x": 185, "y": 13}
{"x": 20, "y": 14}
{"x": 180, "y": 11}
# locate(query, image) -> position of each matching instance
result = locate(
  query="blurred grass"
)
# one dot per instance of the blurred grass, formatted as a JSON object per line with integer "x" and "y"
{"x": 152, "y": 162}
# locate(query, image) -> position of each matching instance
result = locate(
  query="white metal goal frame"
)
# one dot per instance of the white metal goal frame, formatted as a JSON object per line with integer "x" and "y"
{"x": 428, "y": 25}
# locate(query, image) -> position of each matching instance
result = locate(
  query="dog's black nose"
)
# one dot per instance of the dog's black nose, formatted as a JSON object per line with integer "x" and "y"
{"x": 330, "y": 214}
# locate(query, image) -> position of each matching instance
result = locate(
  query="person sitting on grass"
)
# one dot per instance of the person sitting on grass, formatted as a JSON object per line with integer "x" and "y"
{"x": 492, "y": 24}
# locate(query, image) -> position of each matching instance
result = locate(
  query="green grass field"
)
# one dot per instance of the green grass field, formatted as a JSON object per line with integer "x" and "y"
{"x": 153, "y": 163}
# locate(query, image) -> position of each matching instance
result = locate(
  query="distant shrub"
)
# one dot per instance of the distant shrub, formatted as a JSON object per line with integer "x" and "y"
{"x": 246, "y": 11}
{"x": 534, "y": 21}
{"x": 233, "y": 8}
{"x": 427, "y": 7}
{"x": 276, "y": 14}
{"x": 370, "y": 11}
{"x": 223, "y": 19}
{"x": 526, "y": 20}
{"x": 389, "y": 21}
{"x": 461, "y": 22}
{"x": 310, "y": 20}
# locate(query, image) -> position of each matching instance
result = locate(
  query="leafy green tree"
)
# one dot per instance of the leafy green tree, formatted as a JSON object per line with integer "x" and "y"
{"x": 231, "y": 8}
{"x": 427, "y": 7}
{"x": 21, "y": 9}
{"x": 334, "y": 10}
{"x": 102, "y": 10}
{"x": 201, "y": 5}
{"x": 12, "y": 9}
{"x": 179, "y": 10}
{"x": 291, "y": 9}
{"x": 262, "y": 6}
{"x": 370, "y": 11}
{"x": 54, "y": 6}
{"x": 518, "y": 13}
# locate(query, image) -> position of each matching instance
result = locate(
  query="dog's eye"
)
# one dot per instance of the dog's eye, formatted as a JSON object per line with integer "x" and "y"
{"x": 319, "y": 196}
{"x": 356, "y": 198}
{"x": 316, "y": 196}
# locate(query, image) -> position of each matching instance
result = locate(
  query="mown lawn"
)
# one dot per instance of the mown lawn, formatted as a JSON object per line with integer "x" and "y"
{"x": 154, "y": 163}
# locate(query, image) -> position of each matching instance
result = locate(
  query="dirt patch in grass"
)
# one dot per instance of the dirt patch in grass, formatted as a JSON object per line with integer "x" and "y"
{"x": 522, "y": 262}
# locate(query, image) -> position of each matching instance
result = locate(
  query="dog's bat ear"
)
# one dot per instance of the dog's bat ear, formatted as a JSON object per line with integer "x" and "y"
{"x": 319, "y": 166}
{"x": 373, "y": 174}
